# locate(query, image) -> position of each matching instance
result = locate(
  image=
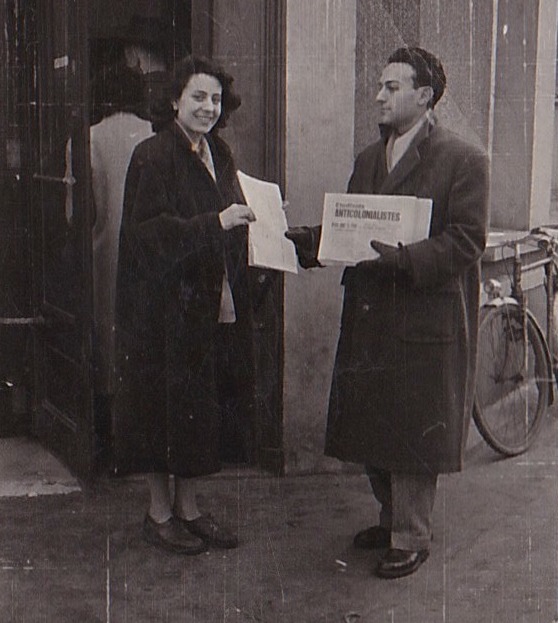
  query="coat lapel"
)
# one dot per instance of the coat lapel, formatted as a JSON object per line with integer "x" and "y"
{"x": 408, "y": 163}
{"x": 183, "y": 143}
{"x": 181, "y": 139}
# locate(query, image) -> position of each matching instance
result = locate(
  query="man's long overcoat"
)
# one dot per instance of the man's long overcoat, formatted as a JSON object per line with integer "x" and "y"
{"x": 403, "y": 381}
{"x": 171, "y": 264}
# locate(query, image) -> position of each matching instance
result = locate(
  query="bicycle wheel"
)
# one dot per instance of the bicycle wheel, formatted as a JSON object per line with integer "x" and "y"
{"x": 513, "y": 380}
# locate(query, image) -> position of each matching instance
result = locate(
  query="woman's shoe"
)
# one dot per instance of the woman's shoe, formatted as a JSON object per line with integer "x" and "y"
{"x": 171, "y": 537}
{"x": 210, "y": 531}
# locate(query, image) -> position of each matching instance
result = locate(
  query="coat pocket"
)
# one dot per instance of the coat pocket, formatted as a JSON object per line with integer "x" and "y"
{"x": 430, "y": 318}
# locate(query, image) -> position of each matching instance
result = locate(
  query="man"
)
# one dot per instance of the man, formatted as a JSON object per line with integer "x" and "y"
{"x": 403, "y": 382}
{"x": 144, "y": 52}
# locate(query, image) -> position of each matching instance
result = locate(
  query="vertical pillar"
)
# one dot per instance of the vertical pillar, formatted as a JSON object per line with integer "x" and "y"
{"x": 460, "y": 34}
{"x": 321, "y": 37}
{"x": 382, "y": 27}
{"x": 523, "y": 113}
{"x": 544, "y": 130}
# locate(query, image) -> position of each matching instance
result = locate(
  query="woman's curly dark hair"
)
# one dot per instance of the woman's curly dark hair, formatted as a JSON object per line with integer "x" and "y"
{"x": 191, "y": 65}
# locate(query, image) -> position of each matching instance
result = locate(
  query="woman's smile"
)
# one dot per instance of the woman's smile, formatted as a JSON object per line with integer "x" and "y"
{"x": 199, "y": 106}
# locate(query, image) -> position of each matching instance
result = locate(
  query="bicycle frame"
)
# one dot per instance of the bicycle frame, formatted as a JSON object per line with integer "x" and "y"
{"x": 517, "y": 361}
{"x": 517, "y": 296}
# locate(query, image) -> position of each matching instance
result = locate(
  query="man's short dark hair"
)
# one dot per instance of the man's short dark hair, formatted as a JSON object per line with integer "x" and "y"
{"x": 428, "y": 70}
{"x": 148, "y": 33}
{"x": 116, "y": 88}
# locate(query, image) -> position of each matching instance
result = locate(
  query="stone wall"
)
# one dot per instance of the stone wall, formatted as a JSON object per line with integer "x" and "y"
{"x": 320, "y": 127}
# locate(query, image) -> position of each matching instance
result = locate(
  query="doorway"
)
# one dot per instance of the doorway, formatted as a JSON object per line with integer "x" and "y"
{"x": 67, "y": 44}
{"x": 166, "y": 22}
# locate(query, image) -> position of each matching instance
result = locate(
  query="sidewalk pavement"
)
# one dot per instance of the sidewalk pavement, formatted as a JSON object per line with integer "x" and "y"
{"x": 80, "y": 558}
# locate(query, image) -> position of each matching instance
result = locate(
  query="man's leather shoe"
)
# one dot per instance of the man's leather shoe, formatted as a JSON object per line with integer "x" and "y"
{"x": 375, "y": 537}
{"x": 210, "y": 531}
{"x": 171, "y": 537}
{"x": 398, "y": 563}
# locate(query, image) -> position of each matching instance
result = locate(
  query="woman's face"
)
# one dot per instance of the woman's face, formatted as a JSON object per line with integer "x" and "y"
{"x": 199, "y": 105}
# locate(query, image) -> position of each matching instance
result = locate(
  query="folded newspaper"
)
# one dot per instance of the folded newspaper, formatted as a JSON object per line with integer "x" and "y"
{"x": 350, "y": 222}
{"x": 267, "y": 245}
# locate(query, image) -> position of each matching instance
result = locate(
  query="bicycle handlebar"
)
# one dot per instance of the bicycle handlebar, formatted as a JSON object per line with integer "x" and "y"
{"x": 546, "y": 237}
{"x": 550, "y": 231}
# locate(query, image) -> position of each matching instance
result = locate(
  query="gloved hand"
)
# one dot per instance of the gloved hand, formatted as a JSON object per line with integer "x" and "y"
{"x": 306, "y": 241}
{"x": 392, "y": 260}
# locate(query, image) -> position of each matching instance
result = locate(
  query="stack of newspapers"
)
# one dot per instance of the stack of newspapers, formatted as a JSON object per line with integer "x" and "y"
{"x": 350, "y": 222}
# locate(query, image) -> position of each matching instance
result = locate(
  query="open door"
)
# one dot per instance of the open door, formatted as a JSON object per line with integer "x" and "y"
{"x": 57, "y": 178}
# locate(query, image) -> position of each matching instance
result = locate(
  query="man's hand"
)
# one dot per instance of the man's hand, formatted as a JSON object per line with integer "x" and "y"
{"x": 306, "y": 245}
{"x": 388, "y": 254}
{"x": 391, "y": 260}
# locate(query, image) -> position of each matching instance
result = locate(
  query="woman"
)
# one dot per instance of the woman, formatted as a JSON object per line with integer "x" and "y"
{"x": 117, "y": 94}
{"x": 183, "y": 307}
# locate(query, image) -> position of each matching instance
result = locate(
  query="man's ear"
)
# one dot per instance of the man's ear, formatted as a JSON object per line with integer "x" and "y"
{"x": 426, "y": 95}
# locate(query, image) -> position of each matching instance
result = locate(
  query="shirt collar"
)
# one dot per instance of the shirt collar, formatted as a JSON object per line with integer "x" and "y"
{"x": 386, "y": 131}
{"x": 410, "y": 134}
{"x": 193, "y": 145}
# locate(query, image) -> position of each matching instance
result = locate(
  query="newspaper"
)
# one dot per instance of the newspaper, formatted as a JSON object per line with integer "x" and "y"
{"x": 267, "y": 245}
{"x": 350, "y": 222}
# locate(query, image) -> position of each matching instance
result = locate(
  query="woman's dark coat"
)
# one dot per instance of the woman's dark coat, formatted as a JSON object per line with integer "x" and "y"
{"x": 172, "y": 256}
{"x": 403, "y": 382}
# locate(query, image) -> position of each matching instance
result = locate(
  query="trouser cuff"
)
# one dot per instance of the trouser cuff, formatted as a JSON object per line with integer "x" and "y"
{"x": 410, "y": 542}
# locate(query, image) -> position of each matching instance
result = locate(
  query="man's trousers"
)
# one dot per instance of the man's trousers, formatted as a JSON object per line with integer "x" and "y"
{"x": 407, "y": 502}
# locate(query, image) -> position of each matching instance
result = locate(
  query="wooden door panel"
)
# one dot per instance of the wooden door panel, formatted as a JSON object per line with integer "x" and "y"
{"x": 57, "y": 113}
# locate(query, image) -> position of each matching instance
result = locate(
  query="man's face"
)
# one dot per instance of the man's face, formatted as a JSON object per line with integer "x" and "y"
{"x": 401, "y": 104}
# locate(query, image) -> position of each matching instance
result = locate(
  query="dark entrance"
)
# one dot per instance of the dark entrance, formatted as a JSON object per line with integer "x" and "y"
{"x": 65, "y": 43}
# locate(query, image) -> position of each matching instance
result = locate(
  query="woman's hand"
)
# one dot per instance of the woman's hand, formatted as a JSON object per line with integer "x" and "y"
{"x": 235, "y": 215}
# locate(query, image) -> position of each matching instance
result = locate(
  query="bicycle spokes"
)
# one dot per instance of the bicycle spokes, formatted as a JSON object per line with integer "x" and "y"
{"x": 513, "y": 379}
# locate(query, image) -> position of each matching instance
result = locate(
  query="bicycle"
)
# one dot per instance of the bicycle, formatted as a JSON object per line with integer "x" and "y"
{"x": 517, "y": 362}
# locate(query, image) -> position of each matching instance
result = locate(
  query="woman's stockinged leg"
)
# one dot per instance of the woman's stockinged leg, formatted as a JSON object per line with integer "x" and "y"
{"x": 160, "y": 503}
{"x": 161, "y": 528}
{"x": 185, "y": 502}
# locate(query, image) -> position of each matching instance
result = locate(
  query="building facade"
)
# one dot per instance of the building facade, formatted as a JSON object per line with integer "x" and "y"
{"x": 307, "y": 72}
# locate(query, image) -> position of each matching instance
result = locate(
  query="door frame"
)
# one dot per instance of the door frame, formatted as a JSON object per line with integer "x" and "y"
{"x": 70, "y": 439}
{"x": 272, "y": 452}
{"x": 271, "y": 455}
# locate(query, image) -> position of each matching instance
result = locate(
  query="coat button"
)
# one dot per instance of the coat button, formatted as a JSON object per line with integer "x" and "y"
{"x": 366, "y": 307}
